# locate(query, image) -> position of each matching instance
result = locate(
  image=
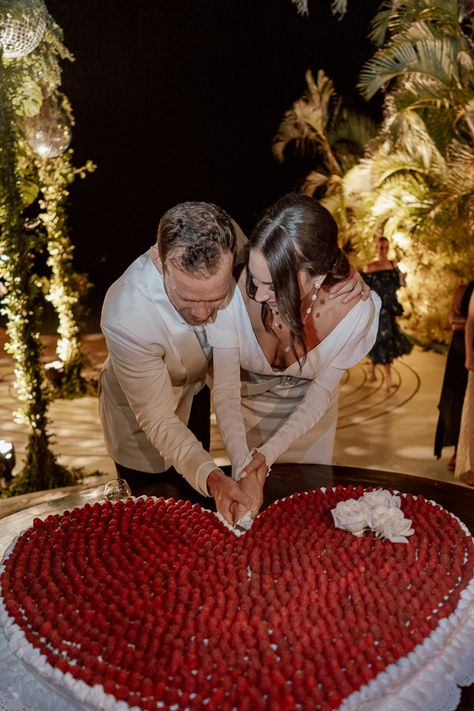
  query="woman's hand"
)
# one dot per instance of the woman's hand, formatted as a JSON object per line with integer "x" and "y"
{"x": 258, "y": 465}
{"x": 353, "y": 287}
{"x": 251, "y": 484}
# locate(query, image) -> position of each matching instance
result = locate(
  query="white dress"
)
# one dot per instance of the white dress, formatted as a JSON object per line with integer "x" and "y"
{"x": 465, "y": 449}
{"x": 290, "y": 415}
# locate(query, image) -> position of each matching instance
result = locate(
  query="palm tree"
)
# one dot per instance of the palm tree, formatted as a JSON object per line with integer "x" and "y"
{"x": 320, "y": 128}
{"x": 419, "y": 173}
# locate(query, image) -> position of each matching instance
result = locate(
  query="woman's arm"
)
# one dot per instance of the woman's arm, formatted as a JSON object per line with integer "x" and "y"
{"x": 308, "y": 413}
{"x": 226, "y": 401}
{"x": 456, "y": 319}
{"x": 469, "y": 335}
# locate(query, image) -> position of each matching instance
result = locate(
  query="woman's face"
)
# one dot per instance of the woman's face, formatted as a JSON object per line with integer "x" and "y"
{"x": 381, "y": 248}
{"x": 261, "y": 279}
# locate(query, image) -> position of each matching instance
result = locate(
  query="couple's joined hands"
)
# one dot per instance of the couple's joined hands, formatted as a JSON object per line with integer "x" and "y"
{"x": 233, "y": 499}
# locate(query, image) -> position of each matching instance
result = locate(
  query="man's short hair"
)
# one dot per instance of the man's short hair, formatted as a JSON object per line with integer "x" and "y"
{"x": 193, "y": 236}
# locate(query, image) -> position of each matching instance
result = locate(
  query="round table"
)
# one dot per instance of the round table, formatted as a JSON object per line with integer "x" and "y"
{"x": 285, "y": 479}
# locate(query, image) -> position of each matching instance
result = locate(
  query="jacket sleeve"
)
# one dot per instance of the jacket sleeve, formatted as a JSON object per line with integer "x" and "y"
{"x": 144, "y": 378}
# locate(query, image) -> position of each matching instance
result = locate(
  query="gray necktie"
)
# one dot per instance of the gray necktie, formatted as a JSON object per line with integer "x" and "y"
{"x": 201, "y": 334}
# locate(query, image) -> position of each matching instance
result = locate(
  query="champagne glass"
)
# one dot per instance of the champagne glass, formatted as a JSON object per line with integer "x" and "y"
{"x": 116, "y": 489}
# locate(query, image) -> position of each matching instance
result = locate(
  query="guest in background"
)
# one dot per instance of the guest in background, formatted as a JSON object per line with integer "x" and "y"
{"x": 465, "y": 454}
{"x": 293, "y": 342}
{"x": 384, "y": 277}
{"x": 455, "y": 377}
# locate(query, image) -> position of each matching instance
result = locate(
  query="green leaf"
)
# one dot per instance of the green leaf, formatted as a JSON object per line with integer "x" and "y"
{"x": 29, "y": 99}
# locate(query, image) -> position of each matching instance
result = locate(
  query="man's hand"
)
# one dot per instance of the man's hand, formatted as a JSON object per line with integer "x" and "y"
{"x": 351, "y": 288}
{"x": 228, "y": 495}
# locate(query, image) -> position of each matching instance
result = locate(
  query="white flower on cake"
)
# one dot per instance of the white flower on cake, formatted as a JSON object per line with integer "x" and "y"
{"x": 377, "y": 511}
{"x": 381, "y": 497}
{"x": 351, "y": 515}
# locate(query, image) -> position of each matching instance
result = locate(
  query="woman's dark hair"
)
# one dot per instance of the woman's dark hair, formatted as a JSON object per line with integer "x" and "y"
{"x": 296, "y": 233}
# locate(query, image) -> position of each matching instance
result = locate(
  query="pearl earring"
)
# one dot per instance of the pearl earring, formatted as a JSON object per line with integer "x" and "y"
{"x": 313, "y": 297}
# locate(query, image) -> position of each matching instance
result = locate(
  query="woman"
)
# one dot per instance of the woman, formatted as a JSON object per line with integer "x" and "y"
{"x": 292, "y": 341}
{"x": 465, "y": 452}
{"x": 455, "y": 377}
{"x": 384, "y": 277}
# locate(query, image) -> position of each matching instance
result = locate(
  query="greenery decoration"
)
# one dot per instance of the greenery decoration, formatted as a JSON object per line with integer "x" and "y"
{"x": 34, "y": 182}
{"x": 22, "y": 306}
{"x": 65, "y": 286}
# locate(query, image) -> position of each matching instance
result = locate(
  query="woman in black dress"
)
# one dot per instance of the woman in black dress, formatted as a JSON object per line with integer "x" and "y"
{"x": 384, "y": 277}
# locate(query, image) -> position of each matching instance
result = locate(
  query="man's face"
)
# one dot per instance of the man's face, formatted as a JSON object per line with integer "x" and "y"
{"x": 197, "y": 298}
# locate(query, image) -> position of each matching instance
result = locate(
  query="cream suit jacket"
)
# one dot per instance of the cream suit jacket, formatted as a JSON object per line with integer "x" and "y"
{"x": 154, "y": 368}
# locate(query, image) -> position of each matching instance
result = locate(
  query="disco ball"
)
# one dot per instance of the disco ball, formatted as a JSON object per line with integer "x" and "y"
{"x": 22, "y": 28}
{"x": 49, "y": 132}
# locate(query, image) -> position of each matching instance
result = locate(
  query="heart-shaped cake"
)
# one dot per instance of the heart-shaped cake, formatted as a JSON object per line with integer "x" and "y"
{"x": 152, "y": 603}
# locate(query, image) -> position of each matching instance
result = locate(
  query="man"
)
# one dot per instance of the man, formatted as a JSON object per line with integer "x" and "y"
{"x": 152, "y": 319}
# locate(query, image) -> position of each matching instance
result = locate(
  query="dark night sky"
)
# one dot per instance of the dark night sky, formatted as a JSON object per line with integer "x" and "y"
{"x": 179, "y": 100}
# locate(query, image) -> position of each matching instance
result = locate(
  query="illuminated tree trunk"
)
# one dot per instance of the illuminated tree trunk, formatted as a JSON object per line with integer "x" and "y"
{"x": 63, "y": 285}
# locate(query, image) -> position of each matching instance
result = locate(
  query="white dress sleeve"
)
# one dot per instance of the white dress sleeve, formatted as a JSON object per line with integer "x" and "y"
{"x": 226, "y": 401}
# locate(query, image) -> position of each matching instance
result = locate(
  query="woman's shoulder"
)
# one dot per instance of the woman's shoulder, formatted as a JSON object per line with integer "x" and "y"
{"x": 375, "y": 267}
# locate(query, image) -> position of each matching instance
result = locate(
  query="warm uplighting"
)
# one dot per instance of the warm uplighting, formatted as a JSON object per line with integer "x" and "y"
{"x": 402, "y": 240}
{"x": 383, "y": 205}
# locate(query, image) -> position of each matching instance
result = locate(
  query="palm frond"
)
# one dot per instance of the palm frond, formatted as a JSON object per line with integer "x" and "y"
{"x": 435, "y": 60}
{"x": 380, "y": 24}
{"x": 396, "y": 17}
{"x": 301, "y": 6}
{"x": 305, "y": 123}
{"x": 460, "y": 161}
{"x": 338, "y": 7}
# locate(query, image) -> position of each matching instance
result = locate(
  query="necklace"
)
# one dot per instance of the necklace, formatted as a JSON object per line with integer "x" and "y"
{"x": 276, "y": 320}
{"x": 277, "y": 324}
